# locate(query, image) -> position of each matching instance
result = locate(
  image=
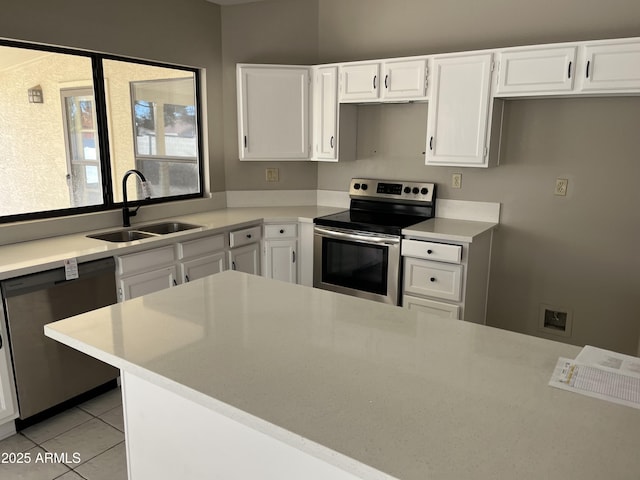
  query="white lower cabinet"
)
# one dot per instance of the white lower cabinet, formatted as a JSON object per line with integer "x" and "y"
{"x": 246, "y": 259}
{"x": 147, "y": 282}
{"x": 281, "y": 252}
{"x": 442, "y": 309}
{"x": 244, "y": 253}
{"x": 201, "y": 257}
{"x": 8, "y": 407}
{"x": 447, "y": 279}
{"x": 146, "y": 272}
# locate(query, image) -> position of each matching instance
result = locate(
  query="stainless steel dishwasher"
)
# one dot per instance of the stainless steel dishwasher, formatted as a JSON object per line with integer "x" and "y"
{"x": 46, "y": 372}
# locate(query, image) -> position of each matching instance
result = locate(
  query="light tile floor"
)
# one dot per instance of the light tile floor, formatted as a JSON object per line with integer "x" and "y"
{"x": 91, "y": 435}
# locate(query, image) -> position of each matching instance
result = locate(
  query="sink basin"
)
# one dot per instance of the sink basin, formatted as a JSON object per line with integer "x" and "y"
{"x": 121, "y": 236}
{"x": 167, "y": 227}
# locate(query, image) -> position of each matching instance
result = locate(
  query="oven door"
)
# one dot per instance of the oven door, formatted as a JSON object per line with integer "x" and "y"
{"x": 362, "y": 264}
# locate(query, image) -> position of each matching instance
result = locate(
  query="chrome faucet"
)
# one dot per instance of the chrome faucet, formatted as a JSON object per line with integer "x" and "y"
{"x": 126, "y": 213}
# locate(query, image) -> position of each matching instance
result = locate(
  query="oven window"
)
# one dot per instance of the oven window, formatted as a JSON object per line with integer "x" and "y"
{"x": 355, "y": 265}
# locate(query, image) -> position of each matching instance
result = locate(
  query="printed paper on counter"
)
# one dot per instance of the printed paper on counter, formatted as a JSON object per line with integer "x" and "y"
{"x": 596, "y": 382}
{"x": 608, "y": 360}
{"x": 71, "y": 268}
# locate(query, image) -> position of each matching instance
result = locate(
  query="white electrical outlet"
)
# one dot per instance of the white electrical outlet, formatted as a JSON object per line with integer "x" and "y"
{"x": 456, "y": 180}
{"x": 561, "y": 186}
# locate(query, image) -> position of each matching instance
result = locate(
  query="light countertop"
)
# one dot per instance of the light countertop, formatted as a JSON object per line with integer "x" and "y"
{"x": 29, "y": 257}
{"x": 411, "y": 395}
{"x": 448, "y": 229}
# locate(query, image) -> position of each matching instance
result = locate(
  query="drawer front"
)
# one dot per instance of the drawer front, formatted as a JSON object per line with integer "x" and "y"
{"x": 433, "y": 279}
{"x": 244, "y": 236}
{"x": 201, "y": 246}
{"x": 147, "y": 260}
{"x": 441, "y": 309}
{"x": 440, "y": 252}
{"x": 282, "y": 230}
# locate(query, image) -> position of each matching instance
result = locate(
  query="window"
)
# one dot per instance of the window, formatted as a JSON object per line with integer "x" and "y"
{"x": 66, "y": 151}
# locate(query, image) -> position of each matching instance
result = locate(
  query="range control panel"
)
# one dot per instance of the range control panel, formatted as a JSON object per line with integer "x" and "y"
{"x": 392, "y": 190}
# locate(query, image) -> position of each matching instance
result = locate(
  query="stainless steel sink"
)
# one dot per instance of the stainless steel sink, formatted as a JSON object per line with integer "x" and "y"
{"x": 167, "y": 227}
{"x": 138, "y": 233}
{"x": 121, "y": 236}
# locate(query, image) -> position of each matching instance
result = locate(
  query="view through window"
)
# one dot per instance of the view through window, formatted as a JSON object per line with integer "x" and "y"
{"x": 96, "y": 117}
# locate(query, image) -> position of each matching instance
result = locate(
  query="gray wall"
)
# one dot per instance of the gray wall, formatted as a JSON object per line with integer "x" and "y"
{"x": 271, "y": 32}
{"x": 575, "y": 252}
{"x": 184, "y": 32}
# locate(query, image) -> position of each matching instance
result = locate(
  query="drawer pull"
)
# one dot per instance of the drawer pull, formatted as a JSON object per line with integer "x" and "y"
{"x": 174, "y": 282}
{"x": 248, "y": 235}
{"x": 186, "y": 277}
{"x": 281, "y": 230}
{"x": 429, "y": 251}
{"x": 432, "y": 279}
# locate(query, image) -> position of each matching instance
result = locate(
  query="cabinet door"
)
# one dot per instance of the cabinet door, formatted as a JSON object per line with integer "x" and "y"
{"x": 458, "y": 113}
{"x": 202, "y": 267}
{"x": 8, "y": 409}
{"x": 360, "y": 82}
{"x": 281, "y": 261}
{"x": 246, "y": 259}
{"x": 148, "y": 282}
{"x": 325, "y": 114}
{"x": 612, "y": 68}
{"x": 441, "y": 309}
{"x": 536, "y": 71}
{"x": 406, "y": 80}
{"x": 273, "y": 112}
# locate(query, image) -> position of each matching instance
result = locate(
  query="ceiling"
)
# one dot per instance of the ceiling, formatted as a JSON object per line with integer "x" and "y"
{"x": 232, "y": 2}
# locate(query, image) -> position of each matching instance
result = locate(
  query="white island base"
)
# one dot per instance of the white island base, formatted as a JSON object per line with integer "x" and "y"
{"x": 170, "y": 437}
{"x": 236, "y": 376}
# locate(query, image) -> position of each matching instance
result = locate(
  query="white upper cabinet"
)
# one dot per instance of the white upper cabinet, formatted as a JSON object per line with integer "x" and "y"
{"x": 611, "y": 67}
{"x": 325, "y": 113}
{"x": 388, "y": 80}
{"x": 273, "y": 112}
{"x": 360, "y": 82}
{"x": 459, "y": 110}
{"x": 533, "y": 71}
{"x": 405, "y": 79}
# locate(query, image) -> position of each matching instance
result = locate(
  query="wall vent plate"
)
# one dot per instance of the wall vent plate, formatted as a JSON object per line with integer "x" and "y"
{"x": 555, "y": 320}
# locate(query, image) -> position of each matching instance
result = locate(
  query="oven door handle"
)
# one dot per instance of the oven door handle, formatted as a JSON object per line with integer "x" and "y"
{"x": 378, "y": 240}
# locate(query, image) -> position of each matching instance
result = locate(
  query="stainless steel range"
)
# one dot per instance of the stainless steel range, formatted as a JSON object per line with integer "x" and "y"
{"x": 357, "y": 252}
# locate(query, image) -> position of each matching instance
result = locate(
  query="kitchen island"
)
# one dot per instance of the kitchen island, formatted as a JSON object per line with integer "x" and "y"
{"x": 237, "y": 376}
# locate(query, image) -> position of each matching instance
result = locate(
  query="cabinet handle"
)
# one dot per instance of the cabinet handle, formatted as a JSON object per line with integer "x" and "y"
{"x": 281, "y": 230}
{"x": 431, "y": 144}
{"x": 174, "y": 282}
{"x": 248, "y": 235}
{"x": 429, "y": 252}
{"x": 331, "y": 141}
{"x": 432, "y": 279}
{"x": 386, "y": 81}
{"x": 245, "y": 141}
{"x": 233, "y": 265}
{"x": 375, "y": 77}
{"x": 588, "y": 63}
{"x": 569, "y": 70}
{"x": 186, "y": 277}
{"x": 0, "y": 342}
{"x": 293, "y": 256}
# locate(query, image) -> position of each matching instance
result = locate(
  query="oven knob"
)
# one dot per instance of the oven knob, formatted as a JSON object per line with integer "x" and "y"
{"x": 424, "y": 191}
{"x": 416, "y": 190}
{"x": 364, "y": 186}
{"x": 356, "y": 186}
{"x": 407, "y": 189}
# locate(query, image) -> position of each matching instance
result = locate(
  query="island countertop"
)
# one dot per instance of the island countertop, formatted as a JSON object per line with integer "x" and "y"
{"x": 407, "y": 394}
